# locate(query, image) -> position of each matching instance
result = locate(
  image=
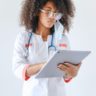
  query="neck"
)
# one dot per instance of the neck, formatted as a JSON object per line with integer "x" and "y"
{"x": 44, "y": 32}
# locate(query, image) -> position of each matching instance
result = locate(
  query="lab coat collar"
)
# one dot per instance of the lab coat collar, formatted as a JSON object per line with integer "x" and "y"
{"x": 59, "y": 29}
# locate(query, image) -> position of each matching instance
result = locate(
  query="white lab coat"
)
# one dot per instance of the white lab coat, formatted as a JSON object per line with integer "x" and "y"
{"x": 37, "y": 53}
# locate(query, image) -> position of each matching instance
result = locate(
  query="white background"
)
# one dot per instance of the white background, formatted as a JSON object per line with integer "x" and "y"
{"x": 81, "y": 36}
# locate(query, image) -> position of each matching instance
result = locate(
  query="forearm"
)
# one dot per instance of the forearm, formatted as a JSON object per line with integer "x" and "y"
{"x": 33, "y": 69}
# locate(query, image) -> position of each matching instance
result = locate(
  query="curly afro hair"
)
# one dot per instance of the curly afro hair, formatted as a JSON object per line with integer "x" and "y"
{"x": 30, "y": 9}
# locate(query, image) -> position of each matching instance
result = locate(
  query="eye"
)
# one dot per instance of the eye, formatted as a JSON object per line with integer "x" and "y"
{"x": 48, "y": 11}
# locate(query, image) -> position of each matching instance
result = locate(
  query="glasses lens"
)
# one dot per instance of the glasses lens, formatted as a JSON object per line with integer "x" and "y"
{"x": 58, "y": 16}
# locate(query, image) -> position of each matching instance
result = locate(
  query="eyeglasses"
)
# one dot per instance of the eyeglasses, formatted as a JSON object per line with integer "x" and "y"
{"x": 56, "y": 15}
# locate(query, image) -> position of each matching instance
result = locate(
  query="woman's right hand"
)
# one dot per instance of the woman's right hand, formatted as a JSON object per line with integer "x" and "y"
{"x": 33, "y": 69}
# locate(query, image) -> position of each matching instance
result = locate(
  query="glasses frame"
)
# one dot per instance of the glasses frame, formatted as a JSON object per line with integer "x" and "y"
{"x": 56, "y": 15}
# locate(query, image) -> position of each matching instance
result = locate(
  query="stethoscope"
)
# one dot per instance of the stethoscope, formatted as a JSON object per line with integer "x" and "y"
{"x": 52, "y": 47}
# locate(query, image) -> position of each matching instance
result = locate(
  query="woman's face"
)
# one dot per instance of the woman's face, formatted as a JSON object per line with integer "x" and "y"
{"x": 47, "y": 15}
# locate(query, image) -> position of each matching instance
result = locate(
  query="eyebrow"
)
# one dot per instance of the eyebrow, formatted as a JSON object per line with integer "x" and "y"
{"x": 49, "y": 8}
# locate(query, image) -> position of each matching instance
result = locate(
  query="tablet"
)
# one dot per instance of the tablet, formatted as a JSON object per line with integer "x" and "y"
{"x": 50, "y": 68}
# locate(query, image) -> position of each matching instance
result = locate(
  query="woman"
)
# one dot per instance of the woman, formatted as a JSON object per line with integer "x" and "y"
{"x": 45, "y": 23}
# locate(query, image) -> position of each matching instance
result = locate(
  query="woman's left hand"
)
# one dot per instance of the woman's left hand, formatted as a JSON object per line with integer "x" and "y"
{"x": 69, "y": 69}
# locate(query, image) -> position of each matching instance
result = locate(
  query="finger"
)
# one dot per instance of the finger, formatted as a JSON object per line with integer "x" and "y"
{"x": 68, "y": 64}
{"x": 72, "y": 65}
{"x": 62, "y": 67}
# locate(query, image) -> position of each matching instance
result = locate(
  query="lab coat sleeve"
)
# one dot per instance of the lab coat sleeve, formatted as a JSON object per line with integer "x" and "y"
{"x": 67, "y": 45}
{"x": 64, "y": 43}
{"x": 67, "y": 42}
{"x": 19, "y": 62}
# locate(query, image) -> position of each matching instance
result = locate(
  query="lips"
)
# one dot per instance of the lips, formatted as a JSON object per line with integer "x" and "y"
{"x": 51, "y": 22}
